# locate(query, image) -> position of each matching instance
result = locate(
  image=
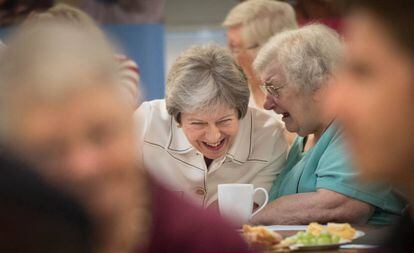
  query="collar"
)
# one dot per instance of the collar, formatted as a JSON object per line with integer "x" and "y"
{"x": 238, "y": 152}
{"x": 178, "y": 142}
{"x": 242, "y": 146}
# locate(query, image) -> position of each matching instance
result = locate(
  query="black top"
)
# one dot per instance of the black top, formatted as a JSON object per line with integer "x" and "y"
{"x": 401, "y": 238}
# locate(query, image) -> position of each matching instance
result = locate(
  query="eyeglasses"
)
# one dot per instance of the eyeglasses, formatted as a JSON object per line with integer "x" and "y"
{"x": 271, "y": 89}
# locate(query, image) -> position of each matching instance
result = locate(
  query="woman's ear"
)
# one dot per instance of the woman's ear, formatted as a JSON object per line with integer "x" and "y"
{"x": 324, "y": 89}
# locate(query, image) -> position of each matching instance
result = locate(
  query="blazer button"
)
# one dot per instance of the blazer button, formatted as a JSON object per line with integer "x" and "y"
{"x": 200, "y": 191}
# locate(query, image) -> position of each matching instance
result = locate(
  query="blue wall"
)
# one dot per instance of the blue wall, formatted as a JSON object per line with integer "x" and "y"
{"x": 143, "y": 43}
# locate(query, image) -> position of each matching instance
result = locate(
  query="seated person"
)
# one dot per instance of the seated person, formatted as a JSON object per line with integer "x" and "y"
{"x": 317, "y": 182}
{"x": 204, "y": 134}
{"x": 64, "y": 111}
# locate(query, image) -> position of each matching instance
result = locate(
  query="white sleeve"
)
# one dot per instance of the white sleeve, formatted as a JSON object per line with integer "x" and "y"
{"x": 266, "y": 176}
{"x": 142, "y": 118}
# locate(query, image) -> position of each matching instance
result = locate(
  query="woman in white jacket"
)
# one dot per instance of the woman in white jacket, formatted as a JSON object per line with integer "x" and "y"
{"x": 204, "y": 134}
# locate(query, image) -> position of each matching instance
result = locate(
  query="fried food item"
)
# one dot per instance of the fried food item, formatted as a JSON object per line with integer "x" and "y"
{"x": 315, "y": 229}
{"x": 343, "y": 230}
{"x": 261, "y": 237}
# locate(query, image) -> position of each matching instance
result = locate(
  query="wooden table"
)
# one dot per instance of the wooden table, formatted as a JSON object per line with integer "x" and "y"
{"x": 374, "y": 235}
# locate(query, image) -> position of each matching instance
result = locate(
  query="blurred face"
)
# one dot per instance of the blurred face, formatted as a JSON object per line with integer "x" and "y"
{"x": 243, "y": 54}
{"x": 294, "y": 105}
{"x": 86, "y": 145}
{"x": 374, "y": 98}
{"x": 211, "y": 133}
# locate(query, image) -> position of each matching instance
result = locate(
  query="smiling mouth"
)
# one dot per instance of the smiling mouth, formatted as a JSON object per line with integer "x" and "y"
{"x": 214, "y": 146}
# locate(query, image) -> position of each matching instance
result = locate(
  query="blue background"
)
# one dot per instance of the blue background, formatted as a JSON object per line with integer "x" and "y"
{"x": 144, "y": 43}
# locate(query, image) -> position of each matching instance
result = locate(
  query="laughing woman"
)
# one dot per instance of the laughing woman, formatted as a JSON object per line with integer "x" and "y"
{"x": 204, "y": 134}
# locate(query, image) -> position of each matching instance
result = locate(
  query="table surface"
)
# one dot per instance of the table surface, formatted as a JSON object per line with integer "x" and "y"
{"x": 374, "y": 235}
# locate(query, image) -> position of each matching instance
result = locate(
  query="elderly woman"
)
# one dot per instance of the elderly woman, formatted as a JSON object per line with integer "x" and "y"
{"x": 250, "y": 24}
{"x": 203, "y": 133}
{"x": 62, "y": 109}
{"x": 317, "y": 182}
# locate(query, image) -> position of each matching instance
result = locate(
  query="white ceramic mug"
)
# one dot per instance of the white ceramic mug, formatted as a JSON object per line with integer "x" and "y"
{"x": 236, "y": 202}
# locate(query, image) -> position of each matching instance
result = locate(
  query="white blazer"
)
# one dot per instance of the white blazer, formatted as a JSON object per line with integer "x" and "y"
{"x": 256, "y": 156}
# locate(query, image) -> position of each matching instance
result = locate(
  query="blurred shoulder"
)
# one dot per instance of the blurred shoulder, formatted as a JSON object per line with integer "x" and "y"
{"x": 153, "y": 121}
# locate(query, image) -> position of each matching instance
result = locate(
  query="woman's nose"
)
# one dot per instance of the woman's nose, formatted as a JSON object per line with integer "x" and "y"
{"x": 213, "y": 134}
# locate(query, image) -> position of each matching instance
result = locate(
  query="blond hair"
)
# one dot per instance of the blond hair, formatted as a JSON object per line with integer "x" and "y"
{"x": 48, "y": 61}
{"x": 66, "y": 13}
{"x": 261, "y": 19}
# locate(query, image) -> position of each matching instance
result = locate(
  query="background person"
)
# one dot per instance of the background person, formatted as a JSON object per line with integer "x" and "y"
{"x": 249, "y": 25}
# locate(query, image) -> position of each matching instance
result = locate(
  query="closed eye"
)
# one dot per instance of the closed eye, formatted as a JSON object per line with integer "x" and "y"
{"x": 197, "y": 123}
{"x": 224, "y": 121}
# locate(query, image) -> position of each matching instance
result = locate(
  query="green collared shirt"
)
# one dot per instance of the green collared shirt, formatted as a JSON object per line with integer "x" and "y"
{"x": 327, "y": 166}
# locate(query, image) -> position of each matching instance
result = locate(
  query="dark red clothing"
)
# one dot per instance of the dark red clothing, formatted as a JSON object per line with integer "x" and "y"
{"x": 180, "y": 227}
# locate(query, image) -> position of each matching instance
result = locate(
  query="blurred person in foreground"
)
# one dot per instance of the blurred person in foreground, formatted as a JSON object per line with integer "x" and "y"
{"x": 249, "y": 25}
{"x": 204, "y": 134}
{"x": 317, "y": 183}
{"x": 62, "y": 108}
{"x": 36, "y": 217}
{"x": 374, "y": 100}
{"x": 128, "y": 69}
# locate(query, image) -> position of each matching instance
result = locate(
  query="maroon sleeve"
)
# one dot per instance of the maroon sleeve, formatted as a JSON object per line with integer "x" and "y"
{"x": 178, "y": 226}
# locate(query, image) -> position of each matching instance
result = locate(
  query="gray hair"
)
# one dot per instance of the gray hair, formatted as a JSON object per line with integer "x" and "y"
{"x": 260, "y": 19}
{"x": 307, "y": 56}
{"x": 205, "y": 76}
{"x": 48, "y": 61}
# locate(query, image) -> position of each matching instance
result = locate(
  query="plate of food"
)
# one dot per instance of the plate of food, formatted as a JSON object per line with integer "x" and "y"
{"x": 315, "y": 237}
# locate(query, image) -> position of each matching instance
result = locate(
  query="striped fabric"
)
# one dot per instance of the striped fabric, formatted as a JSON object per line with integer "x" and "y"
{"x": 130, "y": 77}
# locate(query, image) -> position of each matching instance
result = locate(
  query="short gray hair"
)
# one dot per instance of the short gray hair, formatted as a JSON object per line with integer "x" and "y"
{"x": 261, "y": 19}
{"x": 205, "y": 76}
{"x": 307, "y": 56}
{"x": 47, "y": 61}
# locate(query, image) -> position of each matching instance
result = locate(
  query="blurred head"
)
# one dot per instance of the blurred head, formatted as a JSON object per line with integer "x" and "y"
{"x": 64, "y": 13}
{"x": 295, "y": 68}
{"x": 251, "y": 23}
{"x": 207, "y": 94}
{"x": 61, "y": 107}
{"x": 374, "y": 95}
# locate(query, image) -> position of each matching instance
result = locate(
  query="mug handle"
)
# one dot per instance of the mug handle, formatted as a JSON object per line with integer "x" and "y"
{"x": 265, "y": 202}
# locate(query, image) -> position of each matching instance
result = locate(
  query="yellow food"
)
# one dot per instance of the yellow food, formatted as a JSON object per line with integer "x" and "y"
{"x": 260, "y": 236}
{"x": 315, "y": 229}
{"x": 343, "y": 230}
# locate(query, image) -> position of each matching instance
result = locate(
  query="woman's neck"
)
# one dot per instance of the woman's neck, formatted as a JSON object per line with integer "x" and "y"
{"x": 208, "y": 161}
{"x": 322, "y": 128}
